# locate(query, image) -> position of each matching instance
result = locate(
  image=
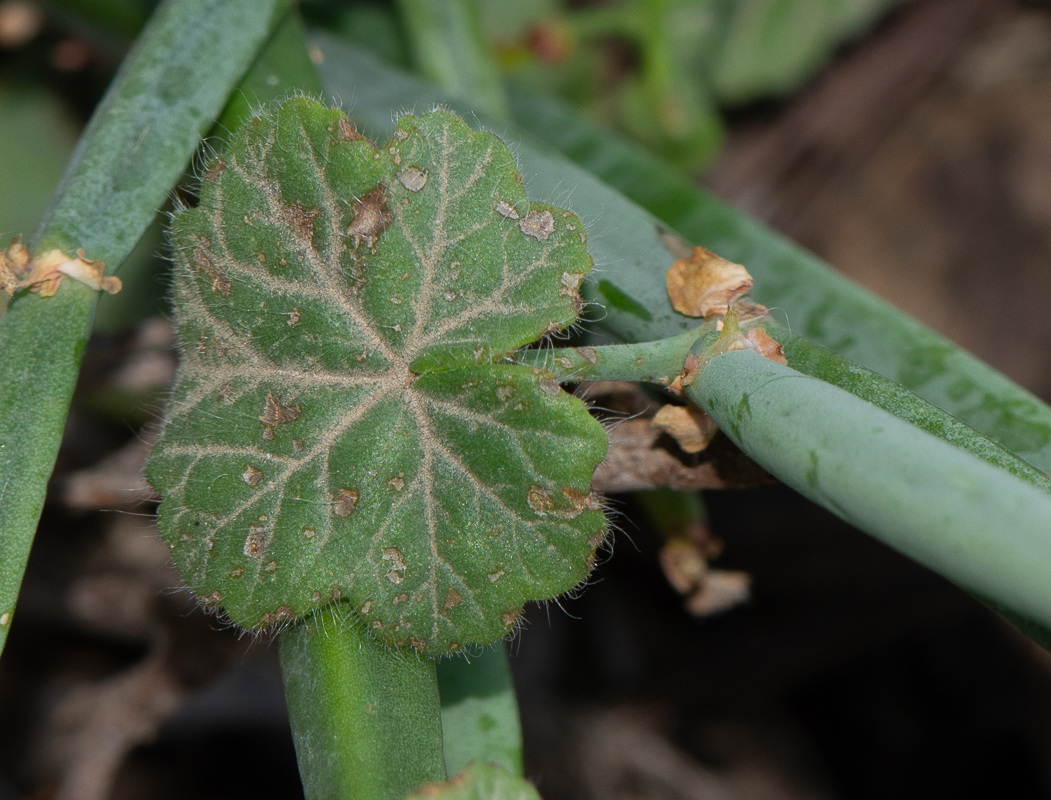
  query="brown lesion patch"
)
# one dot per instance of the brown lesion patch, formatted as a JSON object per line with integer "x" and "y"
{"x": 453, "y": 598}
{"x": 281, "y": 614}
{"x": 202, "y": 261}
{"x": 538, "y": 225}
{"x": 344, "y": 503}
{"x": 540, "y": 501}
{"x": 255, "y": 542}
{"x": 301, "y": 221}
{"x": 275, "y": 414}
{"x": 346, "y": 132}
{"x": 215, "y": 169}
{"x": 251, "y": 475}
{"x": 371, "y": 217}
{"x": 396, "y": 559}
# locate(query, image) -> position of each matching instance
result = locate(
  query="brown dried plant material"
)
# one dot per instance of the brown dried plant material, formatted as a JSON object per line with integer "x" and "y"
{"x": 765, "y": 345}
{"x": 704, "y": 283}
{"x": 707, "y": 591}
{"x": 721, "y": 590}
{"x": 45, "y": 272}
{"x": 690, "y": 426}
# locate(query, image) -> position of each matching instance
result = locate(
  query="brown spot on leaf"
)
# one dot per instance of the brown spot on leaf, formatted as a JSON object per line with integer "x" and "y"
{"x": 588, "y": 354}
{"x": 251, "y": 475}
{"x": 371, "y": 217}
{"x": 550, "y": 386}
{"x": 271, "y": 567}
{"x": 540, "y": 500}
{"x": 509, "y": 618}
{"x": 293, "y": 317}
{"x": 301, "y": 221}
{"x": 506, "y": 210}
{"x": 453, "y": 598}
{"x": 346, "y": 132}
{"x": 215, "y": 169}
{"x": 413, "y": 178}
{"x": 396, "y": 573}
{"x": 255, "y": 542}
{"x": 202, "y": 260}
{"x": 582, "y": 501}
{"x": 704, "y": 283}
{"x": 571, "y": 284}
{"x": 275, "y": 414}
{"x": 538, "y": 225}
{"x": 345, "y": 502}
{"x": 282, "y": 614}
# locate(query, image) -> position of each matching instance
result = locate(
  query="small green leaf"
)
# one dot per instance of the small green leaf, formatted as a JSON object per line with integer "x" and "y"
{"x": 345, "y": 422}
{"x": 479, "y": 782}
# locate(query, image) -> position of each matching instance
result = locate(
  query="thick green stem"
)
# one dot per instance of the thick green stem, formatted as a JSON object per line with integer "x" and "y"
{"x": 167, "y": 93}
{"x": 973, "y": 522}
{"x": 479, "y": 711}
{"x": 648, "y": 362}
{"x": 366, "y": 719}
{"x": 450, "y": 49}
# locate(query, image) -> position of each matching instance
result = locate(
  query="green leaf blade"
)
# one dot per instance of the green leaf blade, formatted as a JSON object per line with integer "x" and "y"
{"x": 344, "y": 426}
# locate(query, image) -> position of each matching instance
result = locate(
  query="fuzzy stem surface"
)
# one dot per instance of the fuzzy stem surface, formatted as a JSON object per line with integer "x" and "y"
{"x": 366, "y": 719}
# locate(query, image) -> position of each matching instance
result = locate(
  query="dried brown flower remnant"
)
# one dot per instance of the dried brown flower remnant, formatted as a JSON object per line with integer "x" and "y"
{"x": 705, "y": 283}
{"x": 45, "y": 272}
{"x": 691, "y": 427}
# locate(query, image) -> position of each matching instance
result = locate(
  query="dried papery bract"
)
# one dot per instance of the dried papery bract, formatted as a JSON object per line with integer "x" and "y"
{"x": 704, "y": 283}
{"x": 345, "y": 424}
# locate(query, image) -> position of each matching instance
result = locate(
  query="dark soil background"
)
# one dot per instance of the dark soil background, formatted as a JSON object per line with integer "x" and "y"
{"x": 919, "y": 163}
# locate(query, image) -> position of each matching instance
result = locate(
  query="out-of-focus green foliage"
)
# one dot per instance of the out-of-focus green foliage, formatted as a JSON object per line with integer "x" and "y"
{"x": 659, "y": 69}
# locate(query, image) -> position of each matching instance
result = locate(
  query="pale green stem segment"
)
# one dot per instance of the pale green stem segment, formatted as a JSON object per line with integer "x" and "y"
{"x": 479, "y": 711}
{"x": 647, "y": 362}
{"x": 366, "y": 719}
{"x": 167, "y": 93}
{"x": 450, "y": 49}
{"x": 979, "y": 526}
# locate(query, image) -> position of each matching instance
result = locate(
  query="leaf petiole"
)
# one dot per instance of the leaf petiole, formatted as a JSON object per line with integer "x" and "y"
{"x": 659, "y": 361}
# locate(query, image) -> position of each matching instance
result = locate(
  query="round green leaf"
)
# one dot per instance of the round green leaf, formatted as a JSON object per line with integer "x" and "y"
{"x": 346, "y": 423}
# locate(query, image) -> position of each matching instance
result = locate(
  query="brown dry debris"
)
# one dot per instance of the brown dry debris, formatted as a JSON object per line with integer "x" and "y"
{"x": 704, "y": 283}
{"x": 45, "y": 272}
{"x": 765, "y": 345}
{"x": 117, "y": 482}
{"x": 95, "y": 726}
{"x": 636, "y": 460}
{"x": 691, "y": 427}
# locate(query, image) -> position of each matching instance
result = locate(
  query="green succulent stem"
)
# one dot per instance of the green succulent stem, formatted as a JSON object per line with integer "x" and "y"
{"x": 479, "y": 711}
{"x": 660, "y": 361}
{"x": 366, "y": 719}
{"x": 970, "y": 520}
{"x": 136, "y": 145}
{"x": 450, "y": 49}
